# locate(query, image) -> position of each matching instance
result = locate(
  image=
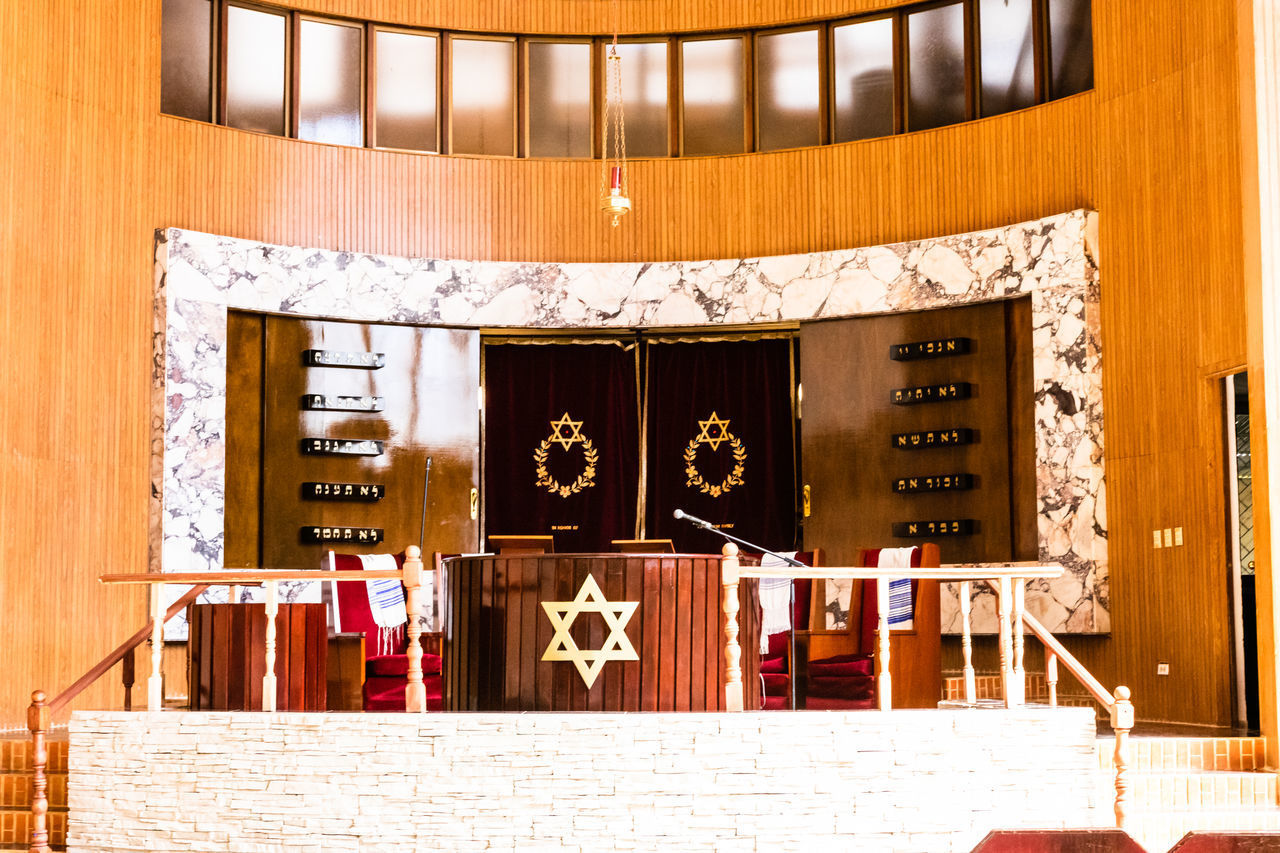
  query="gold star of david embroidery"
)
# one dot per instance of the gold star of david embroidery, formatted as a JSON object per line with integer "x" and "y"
{"x": 617, "y": 646}
{"x": 566, "y": 432}
{"x": 714, "y": 431}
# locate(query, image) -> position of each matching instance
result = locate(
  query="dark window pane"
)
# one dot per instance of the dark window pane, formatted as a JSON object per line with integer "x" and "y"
{"x": 863, "y": 94}
{"x": 1008, "y": 56}
{"x": 787, "y": 72}
{"x": 186, "y": 58}
{"x": 406, "y": 103}
{"x": 644, "y": 97}
{"x": 484, "y": 114}
{"x": 329, "y": 83}
{"x": 935, "y": 56}
{"x": 255, "y": 70}
{"x": 712, "y": 87}
{"x": 1070, "y": 47}
{"x": 559, "y": 99}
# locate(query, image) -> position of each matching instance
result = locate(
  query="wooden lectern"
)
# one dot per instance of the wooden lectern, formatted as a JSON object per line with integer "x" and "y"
{"x": 512, "y": 545}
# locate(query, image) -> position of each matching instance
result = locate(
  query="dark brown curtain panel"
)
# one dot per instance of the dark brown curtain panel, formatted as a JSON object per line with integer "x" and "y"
{"x": 721, "y": 442}
{"x": 562, "y": 443}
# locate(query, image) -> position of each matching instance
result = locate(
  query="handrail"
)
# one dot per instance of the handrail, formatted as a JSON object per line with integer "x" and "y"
{"x": 40, "y": 712}
{"x": 40, "y": 717}
{"x": 1117, "y": 704}
{"x": 78, "y": 686}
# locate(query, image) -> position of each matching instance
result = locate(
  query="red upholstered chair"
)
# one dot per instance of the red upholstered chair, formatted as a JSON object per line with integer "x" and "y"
{"x": 385, "y": 675}
{"x": 775, "y": 664}
{"x": 847, "y": 682}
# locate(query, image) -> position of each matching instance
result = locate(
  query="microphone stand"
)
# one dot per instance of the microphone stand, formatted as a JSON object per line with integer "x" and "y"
{"x": 791, "y": 595}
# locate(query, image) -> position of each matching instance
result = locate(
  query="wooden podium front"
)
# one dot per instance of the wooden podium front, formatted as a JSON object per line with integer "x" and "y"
{"x": 498, "y": 633}
{"x": 227, "y": 657}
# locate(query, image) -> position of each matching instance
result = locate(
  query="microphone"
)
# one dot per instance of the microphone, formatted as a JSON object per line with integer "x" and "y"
{"x": 692, "y": 519}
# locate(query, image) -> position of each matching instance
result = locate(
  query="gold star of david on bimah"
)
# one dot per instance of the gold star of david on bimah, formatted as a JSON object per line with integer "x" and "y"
{"x": 714, "y": 431}
{"x": 617, "y": 646}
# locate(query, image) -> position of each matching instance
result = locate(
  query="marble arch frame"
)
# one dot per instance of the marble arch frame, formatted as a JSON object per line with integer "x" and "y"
{"x": 198, "y": 277}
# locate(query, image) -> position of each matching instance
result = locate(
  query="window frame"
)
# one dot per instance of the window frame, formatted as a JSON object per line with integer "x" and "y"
{"x": 371, "y": 91}
{"x": 522, "y": 72}
{"x": 514, "y": 41}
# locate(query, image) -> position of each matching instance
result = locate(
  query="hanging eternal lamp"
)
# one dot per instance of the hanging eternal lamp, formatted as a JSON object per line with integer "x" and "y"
{"x": 614, "y": 198}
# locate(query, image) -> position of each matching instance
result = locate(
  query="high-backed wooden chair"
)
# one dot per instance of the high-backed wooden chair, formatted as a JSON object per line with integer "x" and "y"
{"x": 386, "y": 674}
{"x": 847, "y": 681}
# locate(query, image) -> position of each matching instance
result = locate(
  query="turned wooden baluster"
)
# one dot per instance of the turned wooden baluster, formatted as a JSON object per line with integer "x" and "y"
{"x": 729, "y": 569}
{"x": 1006, "y": 642}
{"x": 269, "y": 678}
{"x": 966, "y": 643}
{"x": 1121, "y": 724}
{"x": 126, "y": 678}
{"x": 1019, "y": 671}
{"x": 38, "y": 721}
{"x": 155, "y": 682}
{"x": 1051, "y": 675}
{"x": 884, "y": 681}
{"x": 415, "y": 692}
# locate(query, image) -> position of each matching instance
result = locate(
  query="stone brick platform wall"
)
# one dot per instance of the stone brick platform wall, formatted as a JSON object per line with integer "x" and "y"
{"x": 903, "y": 780}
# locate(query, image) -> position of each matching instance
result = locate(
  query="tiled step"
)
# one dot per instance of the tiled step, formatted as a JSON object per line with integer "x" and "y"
{"x": 1187, "y": 753}
{"x": 1201, "y": 791}
{"x": 15, "y": 755}
{"x": 15, "y": 791}
{"x": 15, "y": 828}
{"x": 1157, "y": 831}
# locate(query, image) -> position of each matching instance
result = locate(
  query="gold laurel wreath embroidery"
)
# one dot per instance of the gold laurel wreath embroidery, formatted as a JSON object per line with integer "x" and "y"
{"x": 735, "y": 476}
{"x": 587, "y": 479}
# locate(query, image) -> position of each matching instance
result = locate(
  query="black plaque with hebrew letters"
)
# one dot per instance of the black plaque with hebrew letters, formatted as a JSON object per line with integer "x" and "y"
{"x": 341, "y": 447}
{"x": 939, "y": 348}
{"x": 341, "y": 403}
{"x": 930, "y": 393}
{"x": 933, "y": 438}
{"x": 933, "y": 483}
{"x": 926, "y": 529}
{"x": 336, "y": 358}
{"x": 351, "y": 535}
{"x": 366, "y": 492}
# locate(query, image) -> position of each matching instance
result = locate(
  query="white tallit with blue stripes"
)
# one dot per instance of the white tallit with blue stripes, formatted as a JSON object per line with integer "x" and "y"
{"x": 901, "y": 607}
{"x": 386, "y": 601}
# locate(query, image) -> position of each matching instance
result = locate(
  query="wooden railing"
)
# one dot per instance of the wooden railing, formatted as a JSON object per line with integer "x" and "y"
{"x": 40, "y": 713}
{"x": 1008, "y": 580}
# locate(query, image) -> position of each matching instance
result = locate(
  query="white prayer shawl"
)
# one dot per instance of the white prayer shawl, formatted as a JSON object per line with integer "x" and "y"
{"x": 386, "y": 601}
{"x": 775, "y": 602}
{"x": 901, "y": 607}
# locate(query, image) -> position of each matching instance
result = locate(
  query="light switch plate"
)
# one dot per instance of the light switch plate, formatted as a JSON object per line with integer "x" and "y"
{"x": 1162, "y": 668}
{"x": 1168, "y": 537}
{"x": 1177, "y": 536}
{"x": 1156, "y": 540}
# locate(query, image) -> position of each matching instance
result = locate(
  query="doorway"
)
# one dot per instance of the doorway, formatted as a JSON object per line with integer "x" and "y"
{"x": 1239, "y": 488}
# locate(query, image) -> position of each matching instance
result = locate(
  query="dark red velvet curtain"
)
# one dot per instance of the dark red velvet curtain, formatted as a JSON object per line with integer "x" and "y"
{"x": 721, "y": 442}
{"x": 562, "y": 443}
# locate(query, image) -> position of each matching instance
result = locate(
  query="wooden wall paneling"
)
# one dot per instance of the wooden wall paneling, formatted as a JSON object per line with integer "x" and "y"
{"x": 243, "y": 488}
{"x": 1155, "y": 148}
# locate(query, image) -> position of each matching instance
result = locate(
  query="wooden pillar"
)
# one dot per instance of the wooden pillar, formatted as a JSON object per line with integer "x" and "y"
{"x": 729, "y": 569}
{"x": 966, "y": 642}
{"x": 269, "y": 675}
{"x": 38, "y": 721}
{"x": 1121, "y": 723}
{"x": 415, "y": 692}
{"x": 1006, "y": 642}
{"x": 884, "y": 681}
{"x": 1258, "y": 41}
{"x": 155, "y": 682}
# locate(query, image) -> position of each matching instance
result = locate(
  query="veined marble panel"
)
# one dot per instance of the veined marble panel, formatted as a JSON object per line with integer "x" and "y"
{"x": 199, "y": 276}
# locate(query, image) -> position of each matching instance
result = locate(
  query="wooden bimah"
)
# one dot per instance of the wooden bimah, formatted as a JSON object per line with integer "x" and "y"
{"x": 592, "y": 632}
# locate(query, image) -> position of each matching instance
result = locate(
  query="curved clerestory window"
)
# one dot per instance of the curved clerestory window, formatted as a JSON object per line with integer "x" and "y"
{"x": 362, "y": 83}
